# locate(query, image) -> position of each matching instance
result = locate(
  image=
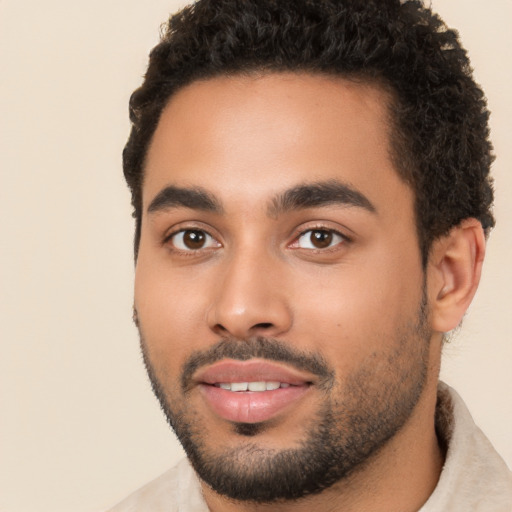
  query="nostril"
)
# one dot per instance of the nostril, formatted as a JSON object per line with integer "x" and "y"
{"x": 263, "y": 325}
{"x": 220, "y": 328}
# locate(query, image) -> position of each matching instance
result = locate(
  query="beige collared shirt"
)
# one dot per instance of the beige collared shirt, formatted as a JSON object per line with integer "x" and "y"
{"x": 474, "y": 477}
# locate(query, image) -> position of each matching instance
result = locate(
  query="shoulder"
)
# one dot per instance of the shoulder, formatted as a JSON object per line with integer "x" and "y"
{"x": 177, "y": 490}
{"x": 474, "y": 476}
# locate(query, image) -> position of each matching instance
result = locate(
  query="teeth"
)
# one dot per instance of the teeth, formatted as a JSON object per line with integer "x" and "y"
{"x": 257, "y": 386}
{"x": 239, "y": 386}
{"x": 253, "y": 386}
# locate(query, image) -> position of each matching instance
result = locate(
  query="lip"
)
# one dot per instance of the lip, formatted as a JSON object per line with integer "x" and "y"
{"x": 253, "y": 370}
{"x": 248, "y": 406}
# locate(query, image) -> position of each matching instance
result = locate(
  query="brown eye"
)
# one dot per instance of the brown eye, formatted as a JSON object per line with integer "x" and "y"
{"x": 192, "y": 240}
{"x": 319, "y": 239}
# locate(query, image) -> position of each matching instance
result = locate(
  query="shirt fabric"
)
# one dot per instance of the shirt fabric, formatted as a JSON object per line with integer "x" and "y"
{"x": 474, "y": 477}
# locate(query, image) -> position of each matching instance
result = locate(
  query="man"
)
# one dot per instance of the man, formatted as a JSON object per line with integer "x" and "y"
{"x": 311, "y": 189}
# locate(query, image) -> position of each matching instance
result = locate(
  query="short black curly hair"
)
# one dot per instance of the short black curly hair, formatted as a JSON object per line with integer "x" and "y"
{"x": 440, "y": 134}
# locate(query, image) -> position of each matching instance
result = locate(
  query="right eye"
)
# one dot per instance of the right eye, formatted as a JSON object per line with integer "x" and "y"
{"x": 192, "y": 240}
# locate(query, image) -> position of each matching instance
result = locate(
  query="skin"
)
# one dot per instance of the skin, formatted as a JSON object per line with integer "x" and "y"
{"x": 244, "y": 140}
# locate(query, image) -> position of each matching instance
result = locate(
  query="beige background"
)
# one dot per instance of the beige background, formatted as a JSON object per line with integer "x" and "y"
{"x": 79, "y": 428}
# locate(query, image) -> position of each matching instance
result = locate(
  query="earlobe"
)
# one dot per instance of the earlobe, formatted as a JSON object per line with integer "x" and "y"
{"x": 455, "y": 266}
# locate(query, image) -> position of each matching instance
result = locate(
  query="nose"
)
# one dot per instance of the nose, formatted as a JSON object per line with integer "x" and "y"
{"x": 250, "y": 298}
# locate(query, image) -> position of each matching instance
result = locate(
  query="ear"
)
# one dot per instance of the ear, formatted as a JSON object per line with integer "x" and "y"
{"x": 454, "y": 269}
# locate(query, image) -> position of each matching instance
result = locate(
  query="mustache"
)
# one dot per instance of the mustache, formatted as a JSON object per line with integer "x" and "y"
{"x": 256, "y": 347}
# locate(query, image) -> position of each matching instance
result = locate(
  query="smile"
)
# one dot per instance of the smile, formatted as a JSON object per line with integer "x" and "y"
{"x": 252, "y": 391}
{"x": 257, "y": 386}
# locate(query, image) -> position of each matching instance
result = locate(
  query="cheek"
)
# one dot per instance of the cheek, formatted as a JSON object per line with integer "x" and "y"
{"x": 171, "y": 312}
{"x": 357, "y": 310}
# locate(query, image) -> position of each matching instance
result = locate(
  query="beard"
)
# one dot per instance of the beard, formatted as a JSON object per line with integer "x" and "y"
{"x": 357, "y": 418}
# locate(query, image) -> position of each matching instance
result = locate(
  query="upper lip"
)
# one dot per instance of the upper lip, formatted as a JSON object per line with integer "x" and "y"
{"x": 253, "y": 370}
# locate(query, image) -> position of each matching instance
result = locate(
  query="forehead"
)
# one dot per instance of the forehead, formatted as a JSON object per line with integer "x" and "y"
{"x": 269, "y": 132}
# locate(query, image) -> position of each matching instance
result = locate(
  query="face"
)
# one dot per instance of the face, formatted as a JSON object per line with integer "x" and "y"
{"x": 279, "y": 285}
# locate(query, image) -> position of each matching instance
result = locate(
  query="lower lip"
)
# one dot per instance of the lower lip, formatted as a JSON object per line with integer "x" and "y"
{"x": 251, "y": 406}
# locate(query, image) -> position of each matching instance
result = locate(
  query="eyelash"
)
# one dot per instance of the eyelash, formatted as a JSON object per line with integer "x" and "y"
{"x": 168, "y": 240}
{"x": 294, "y": 244}
{"x": 343, "y": 239}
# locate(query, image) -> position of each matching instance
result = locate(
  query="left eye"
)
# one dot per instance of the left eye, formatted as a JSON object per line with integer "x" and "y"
{"x": 192, "y": 240}
{"x": 319, "y": 239}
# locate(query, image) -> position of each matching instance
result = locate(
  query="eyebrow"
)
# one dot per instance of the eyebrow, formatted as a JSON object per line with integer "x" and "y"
{"x": 308, "y": 195}
{"x": 196, "y": 198}
{"x": 311, "y": 195}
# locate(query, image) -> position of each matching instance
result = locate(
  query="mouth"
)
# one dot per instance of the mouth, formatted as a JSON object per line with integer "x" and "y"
{"x": 257, "y": 386}
{"x": 251, "y": 391}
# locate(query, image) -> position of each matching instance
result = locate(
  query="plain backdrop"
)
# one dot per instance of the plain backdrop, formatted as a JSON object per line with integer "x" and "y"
{"x": 79, "y": 427}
